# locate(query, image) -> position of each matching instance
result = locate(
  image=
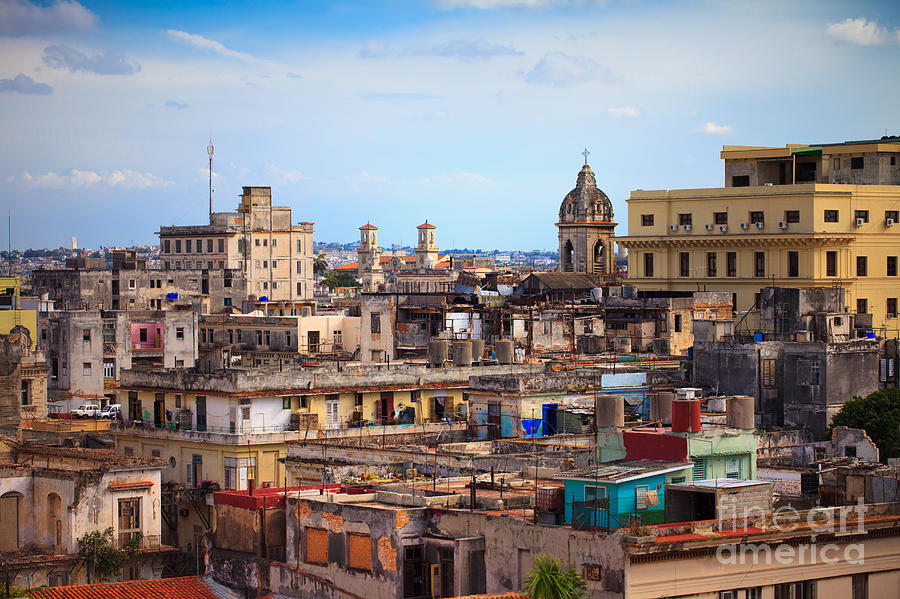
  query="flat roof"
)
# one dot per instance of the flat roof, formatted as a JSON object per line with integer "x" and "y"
{"x": 625, "y": 470}
{"x": 718, "y": 483}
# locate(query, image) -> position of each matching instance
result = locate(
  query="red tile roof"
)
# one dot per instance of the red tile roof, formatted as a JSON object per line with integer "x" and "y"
{"x": 368, "y": 226}
{"x": 426, "y": 225}
{"x": 188, "y": 587}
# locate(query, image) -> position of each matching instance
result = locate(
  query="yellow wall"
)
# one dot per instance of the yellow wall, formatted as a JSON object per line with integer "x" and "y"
{"x": 347, "y": 404}
{"x": 812, "y": 238}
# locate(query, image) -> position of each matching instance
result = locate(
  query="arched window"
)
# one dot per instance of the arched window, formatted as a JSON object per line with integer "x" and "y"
{"x": 10, "y": 521}
{"x": 599, "y": 249}
{"x": 568, "y": 257}
{"x": 54, "y": 520}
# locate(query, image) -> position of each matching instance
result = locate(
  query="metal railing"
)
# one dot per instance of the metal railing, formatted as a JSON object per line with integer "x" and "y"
{"x": 137, "y": 541}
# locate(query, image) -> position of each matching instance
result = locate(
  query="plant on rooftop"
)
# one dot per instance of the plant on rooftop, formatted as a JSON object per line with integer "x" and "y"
{"x": 100, "y": 554}
{"x": 320, "y": 265}
{"x": 550, "y": 579}
{"x": 879, "y": 415}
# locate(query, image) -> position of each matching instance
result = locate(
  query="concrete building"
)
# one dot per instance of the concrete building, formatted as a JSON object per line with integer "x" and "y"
{"x": 52, "y": 497}
{"x": 258, "y": 241}
{"x": 799, "y": 216}
{"x": 369, "y": 270}
{"x": 87, "y": 349}
{"x": 586, "y": 229}
{"x": 23, "y": 381}
{"x": 12, "y": 311}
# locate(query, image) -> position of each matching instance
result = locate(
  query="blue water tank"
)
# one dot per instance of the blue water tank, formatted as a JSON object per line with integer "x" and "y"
{"x": 757, "y": 337}
{"x": 264, "y": 298}
{"x": 172, "y": 296}
{"x": 870, "y": 335}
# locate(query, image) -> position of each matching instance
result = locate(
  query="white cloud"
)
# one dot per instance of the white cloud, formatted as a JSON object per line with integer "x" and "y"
{"x": 467, "y": 48}
{"x": 456, "y": 178}
{"x": 198, "y": 41}
{"x": 626, "y": 111}
{"x": 108, "y": 63}
{"x": 711, "y": 128}
{"x": 285, "y": 175}
{"x": 495, "y": 4}
{"x": 20, "y": 18}
{"x": 561, "y": 70}
{"x": 23, "y": 84}
{"x": 77, "y": 178}
{"x": 374, "y": 49}
{"x": 860, "y": 31}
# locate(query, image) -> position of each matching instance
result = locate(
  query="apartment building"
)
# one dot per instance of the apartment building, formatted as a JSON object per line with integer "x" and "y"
{"x": 12, "y": 313}
{"x": 87, "y": 349}
{"x": 258, "y": 241}
{"x": 799, "y": 216}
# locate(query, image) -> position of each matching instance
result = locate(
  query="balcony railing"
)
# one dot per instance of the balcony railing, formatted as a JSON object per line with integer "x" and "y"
{"x": 130, "y": 541}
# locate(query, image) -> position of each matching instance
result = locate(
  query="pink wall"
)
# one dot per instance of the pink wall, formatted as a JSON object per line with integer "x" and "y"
{"x": 154, "y": 336}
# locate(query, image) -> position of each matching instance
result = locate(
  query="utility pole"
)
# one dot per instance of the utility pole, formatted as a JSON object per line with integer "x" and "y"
{"x": 210, "y": 150}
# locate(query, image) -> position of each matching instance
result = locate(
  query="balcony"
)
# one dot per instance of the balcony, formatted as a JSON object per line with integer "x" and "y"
{"x": 136, "y": 541}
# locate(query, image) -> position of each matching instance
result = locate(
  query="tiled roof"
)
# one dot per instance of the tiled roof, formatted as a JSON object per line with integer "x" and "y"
{"x": 188, "y": 587}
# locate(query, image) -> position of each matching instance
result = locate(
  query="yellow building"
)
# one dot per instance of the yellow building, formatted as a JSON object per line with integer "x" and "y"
{"x": 799, "y": 216}
{"x": 11, "y": 312}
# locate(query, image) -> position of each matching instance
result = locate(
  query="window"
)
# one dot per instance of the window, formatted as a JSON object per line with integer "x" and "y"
{"x": 648, "y": 264}
{"x": 259, "y": 337}
{"x": 142, "y": 335}
{"x": 167, "y": 247}
{"x": 221, "y": 246}
{"x": 187, "y": 246}
{"x": 813, "y": 372}
{"x": 129, "y": 520}
{"x": 179, "y": 363}
{"x": 304, "y": 402}
{"x": 861, "y": 214}
{"x": 287, "y": 338}
{"x": 831, "y": 216}
{"x": 299, "y": 267}
{"x": 892, "y": 266}
{"x": 257, "y": 242}
{"x": 131, "y": 284}
{"x": 793, "y": 264}
{"x": 740, "y": 181}
{"x": 862, "y": 264}
{"x": 893, "y": 161}
{"x": 646, "y": 220}
{"x": 86, "y": 369}
{"x": 710, "y": 264}
{"x": 677, "y": 327}
{"x": 274, "y": 263}
{"x": 548, "y": 327}
{"x": 684, "y": 262}
{"x": 274, "y": 283}
{"x": 109, "y": 368}
{"x": 862, "y": 306}
{"x": 640, "y": 497}
{"x": 830, "y": 264}
{"x": 179, "y": 332}
{"x": 286, "y": 403}
{"x": 177, "y": 246}
{"x": 792, "y": 216}
{"x": 265, "y": 242}
{"x": 860, "y": 583}
{"x": 759, "y": 264}
{"x": 300, "y": 246}
{"x": 892, "y": 306}
{"x": 209, "y": 246}
{"x": 376, "y": 322}
{"x": 857, "y": 163}
{"x": 699, "y": 471}
{"x": 338, "y": 340}
{"x": 727, "y": 595}
{"x": 796, "y": 590}
{"x": 359, "y": 551}
{"x": 757, "y": 216}
{"x": 720, "y": 218}
{"x": 226, "y": 301}
{"x": 731, "y": 264}
{"x": 268, "y": 337}
{"x": 732, "y": 468}
{"x": 594, "y": 492}
{"x": 265, "y": 285}
{"x": 86, "y": 335}
{"x": 892, "y": 215}
{"x": 837, "y": 164}
{"x": 769, "y": 367}
{"x": 685, "y": 219}
{"x": 274, "y": 242}
{"x": 25, "y": 395}
{"x": 316, "y": 546}
{"x": 265, "y": 264}
{"x": 188, "y": 264}
{"x": 299, "y": 288}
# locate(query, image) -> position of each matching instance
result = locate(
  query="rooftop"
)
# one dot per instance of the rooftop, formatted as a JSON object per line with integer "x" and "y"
{"x": 625, "y": 470}
{"x": 187, "y": 587}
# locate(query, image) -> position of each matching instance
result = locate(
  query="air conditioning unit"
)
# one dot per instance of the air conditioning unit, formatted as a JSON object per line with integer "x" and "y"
{"x": 889, "y": 315}
{"x": 723, "y": 228}
{"x": 673, "y": 227}
{"x": 686, "y": 227}
{"x": 860, "y": 222}
{"x": 758, "y": 225}
{"x": 888, "y": 222}
{"x": 709, "y": 227}
{"x": 782, "y": 224}
{"x": 745, "y": 226}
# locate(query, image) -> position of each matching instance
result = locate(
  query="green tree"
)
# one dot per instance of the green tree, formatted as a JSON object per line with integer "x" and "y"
{"x": 100, "y": 554}
{"x": 879, "y": 415}
{"x": 320, "y": 265}
{"x": 343, "y": 279}
{"x": 550, "y": 579}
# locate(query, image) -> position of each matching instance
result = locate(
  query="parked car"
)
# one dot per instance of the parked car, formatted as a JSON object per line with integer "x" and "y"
{"x": 87, "y": 410}
{"x": 111, "y": 411}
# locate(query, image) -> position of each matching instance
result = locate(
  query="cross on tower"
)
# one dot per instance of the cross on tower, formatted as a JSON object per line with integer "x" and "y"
{"x": 585, "y": 154}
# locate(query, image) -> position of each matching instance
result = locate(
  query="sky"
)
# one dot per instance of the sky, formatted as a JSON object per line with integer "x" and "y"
{"x": 472, "y": 114}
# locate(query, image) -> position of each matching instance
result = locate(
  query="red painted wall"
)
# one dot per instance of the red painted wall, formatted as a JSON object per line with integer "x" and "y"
{"x": 649, "y": 445}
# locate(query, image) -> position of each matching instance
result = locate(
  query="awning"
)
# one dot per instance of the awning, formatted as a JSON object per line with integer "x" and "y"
{"x": 809, "y": 151}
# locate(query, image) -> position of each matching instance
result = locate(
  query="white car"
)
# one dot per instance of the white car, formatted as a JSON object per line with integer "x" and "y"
{"x": 110, "y": 412}
{"x": 87, "y": 410}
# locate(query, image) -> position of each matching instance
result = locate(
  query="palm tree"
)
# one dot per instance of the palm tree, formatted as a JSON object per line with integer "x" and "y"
{"x": 550, "y": 579}
{"x": 320, "y": 265}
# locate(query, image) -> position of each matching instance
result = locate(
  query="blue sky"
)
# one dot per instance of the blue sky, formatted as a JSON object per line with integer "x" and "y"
{"x": 470, "y": 113}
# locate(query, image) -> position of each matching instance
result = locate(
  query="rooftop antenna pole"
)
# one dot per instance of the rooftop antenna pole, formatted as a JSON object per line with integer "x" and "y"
{"x": 209, "y": 150}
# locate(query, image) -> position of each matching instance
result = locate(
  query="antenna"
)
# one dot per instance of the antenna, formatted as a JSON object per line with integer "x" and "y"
{"x": 209, "y": 150}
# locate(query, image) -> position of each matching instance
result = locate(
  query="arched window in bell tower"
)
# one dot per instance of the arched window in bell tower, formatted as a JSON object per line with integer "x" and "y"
{"x": 599, "y": 250}
{"x": 568, "y": 257}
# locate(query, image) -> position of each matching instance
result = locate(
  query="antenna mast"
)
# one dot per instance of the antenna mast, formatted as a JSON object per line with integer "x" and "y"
{"x": 209, "y": 150}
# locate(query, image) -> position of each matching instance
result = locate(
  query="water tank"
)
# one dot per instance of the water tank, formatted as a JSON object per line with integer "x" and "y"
{"x": 685, "y": 415}
{"x": 437, "y": 352}
{"x": 610, "y": 411}
{"x": 477, "y": 349}
{"x": 661, "y": 407}
{"x": 505, "y": 350}
{"x": 740, "y": 412}
{"x": 623, "y": 345}
{"x": 462, "y": 353}
{"x": 716, "y": 404}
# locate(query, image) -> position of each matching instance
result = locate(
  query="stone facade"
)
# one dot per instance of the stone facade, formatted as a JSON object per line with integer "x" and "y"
{"x": 23, "y": 381}
{"x": 586, "y": 229}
